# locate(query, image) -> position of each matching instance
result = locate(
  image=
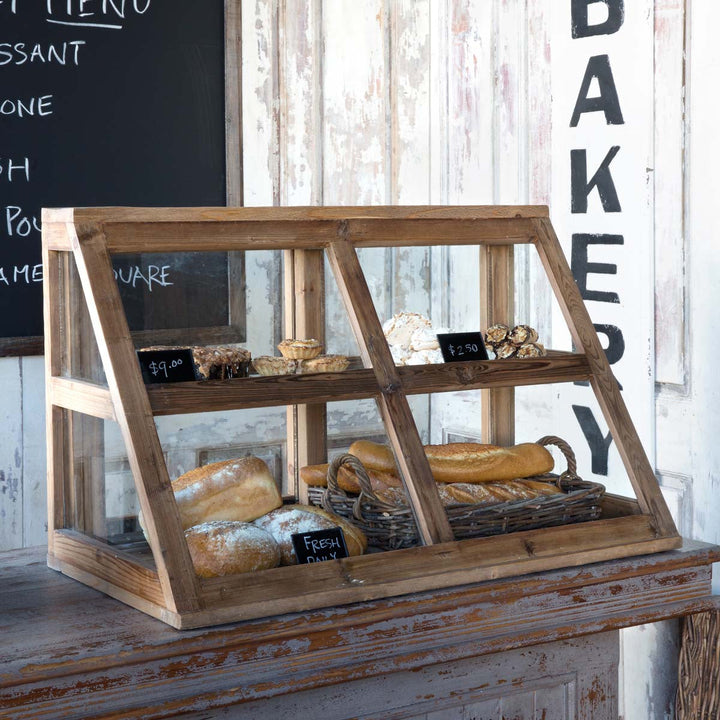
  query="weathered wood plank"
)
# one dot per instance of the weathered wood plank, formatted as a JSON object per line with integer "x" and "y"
{"x": 404, "y": 439}
{"x": 497, "y": 305}
{"x": 81, "y": 396}
{"x": 355, "y": 384}
{"x": 114, "y": 647}
{"x": 603, "y": 382}
{"x": 162, "y": 521}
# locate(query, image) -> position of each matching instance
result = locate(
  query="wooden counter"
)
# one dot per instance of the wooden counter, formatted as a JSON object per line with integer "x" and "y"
{"x": 71, "y": 652}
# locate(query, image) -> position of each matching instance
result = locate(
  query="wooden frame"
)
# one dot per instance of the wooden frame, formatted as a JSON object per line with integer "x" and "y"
{"x": 169, "y": 589}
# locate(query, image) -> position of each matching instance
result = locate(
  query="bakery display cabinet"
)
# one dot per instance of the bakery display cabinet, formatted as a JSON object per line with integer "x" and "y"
{"x": 94, "y": 379}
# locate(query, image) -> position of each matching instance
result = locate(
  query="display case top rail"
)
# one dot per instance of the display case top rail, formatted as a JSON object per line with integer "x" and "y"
{"x": 134, "y": 230}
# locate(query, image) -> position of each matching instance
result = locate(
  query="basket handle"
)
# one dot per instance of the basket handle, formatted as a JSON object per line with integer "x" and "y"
{"x": 567, "y": 451}
{"x": 363, "y": 480}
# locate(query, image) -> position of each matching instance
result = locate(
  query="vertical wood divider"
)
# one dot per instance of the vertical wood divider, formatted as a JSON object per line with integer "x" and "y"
{"x": 305, "y": 304}
{"x": 497, "y": 305}
{"x": 432, "y": 523}
{"x": 55, "y": 417}
{"x": 602, "y": 380}
{"x": 132, "y": 407}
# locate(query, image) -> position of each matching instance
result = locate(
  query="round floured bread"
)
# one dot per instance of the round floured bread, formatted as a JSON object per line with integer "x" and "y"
{"x": 285, "y": 521}
{"x": 241, "y": 489}
{"x": 227, "y": 548}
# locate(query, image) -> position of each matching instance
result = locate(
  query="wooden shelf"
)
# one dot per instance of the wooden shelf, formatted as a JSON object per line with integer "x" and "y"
{"x": 216, "y": 395}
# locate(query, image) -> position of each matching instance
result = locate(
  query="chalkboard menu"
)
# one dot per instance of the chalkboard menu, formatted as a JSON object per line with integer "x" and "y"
{"x": 111, "y": 102}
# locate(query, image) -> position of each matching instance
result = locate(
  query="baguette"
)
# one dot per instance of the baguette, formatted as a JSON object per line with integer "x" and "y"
{"x": 464, "y": 462}
{"x": 477, "y": 493}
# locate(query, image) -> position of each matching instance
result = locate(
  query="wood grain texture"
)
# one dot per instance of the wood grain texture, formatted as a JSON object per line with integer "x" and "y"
{"x": 397, "y": 417}
{"x": 603, "y": 382}
{"x": 81, "y": 396}
{"x": 233, "y": 104}
{"x": 259, "y": 391}
{"x": 307, "y": 424}
{"x": 116, "y": 651}
{"x": 56, "y": 430}
{"x": 162, "y": 521}
{"x": 497, "y": 305}
{"x": 102, "y": 566}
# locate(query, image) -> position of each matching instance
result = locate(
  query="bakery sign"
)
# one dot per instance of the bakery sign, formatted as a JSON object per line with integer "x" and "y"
{"x": 602, "y": 116}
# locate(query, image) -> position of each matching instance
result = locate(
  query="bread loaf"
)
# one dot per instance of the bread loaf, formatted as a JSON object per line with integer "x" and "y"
{"x": 374, "y": 456}
{"x": 316, "y": 476}
{"x": 285, "y": 521}
{"x": 478, "y": 493}
{"x": 464, "y": 462}
{"x": 227, "y": 548}
{"x": 241, "y": 489}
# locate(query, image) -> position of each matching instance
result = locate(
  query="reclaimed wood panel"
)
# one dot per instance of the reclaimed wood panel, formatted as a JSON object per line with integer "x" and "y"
{"x": 116, "y": 650}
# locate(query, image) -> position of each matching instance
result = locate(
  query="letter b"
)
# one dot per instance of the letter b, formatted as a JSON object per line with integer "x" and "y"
{"x": 580, "y": 25}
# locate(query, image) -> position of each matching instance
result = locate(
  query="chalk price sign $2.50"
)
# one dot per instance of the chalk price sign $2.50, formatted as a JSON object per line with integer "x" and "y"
{"x": 458, "y": 347}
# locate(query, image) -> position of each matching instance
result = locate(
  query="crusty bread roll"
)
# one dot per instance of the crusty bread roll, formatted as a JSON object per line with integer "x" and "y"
{"x": 316, "y": 476}
{"x": 241, "y": 489}
{"x": 285, "y": 521}
{"x": 227, "y": 547}
{"x": 464, "y": 462}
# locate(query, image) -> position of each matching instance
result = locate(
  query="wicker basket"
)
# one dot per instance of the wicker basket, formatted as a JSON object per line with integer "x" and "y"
{"x": 391, "y": 527}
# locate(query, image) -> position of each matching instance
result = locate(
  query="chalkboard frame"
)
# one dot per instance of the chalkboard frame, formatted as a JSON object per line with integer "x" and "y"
{"x": 234, "y": 330}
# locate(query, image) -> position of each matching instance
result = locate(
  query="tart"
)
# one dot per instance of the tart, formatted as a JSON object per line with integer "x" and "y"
{"x": 271, "y": 365}
{"x": 323, "y": 363}
{"x": 300, "y": 349}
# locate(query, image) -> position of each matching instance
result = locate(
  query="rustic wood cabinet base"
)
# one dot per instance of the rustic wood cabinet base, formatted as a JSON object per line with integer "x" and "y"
{"x": 73, "y": 653}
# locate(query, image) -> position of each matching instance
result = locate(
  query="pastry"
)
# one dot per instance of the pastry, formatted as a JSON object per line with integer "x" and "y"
{"x": 412, "y": 340}
{"x": 240, "y": 489}
{"x": 531, "y": 350}
{"x": 399, "y": 328}
{"x": 223, "y": 547}
{"x": 522, "y": 334}
{"x": 288, "y": 520}
{"x": 300, "y": 349}
{"x": 496, "y": 335}
{"x": 214, "y": 362}
{"x": 505, "y": 350}
{"x": 322, "y": 364}
{"x": 271, "y": 365}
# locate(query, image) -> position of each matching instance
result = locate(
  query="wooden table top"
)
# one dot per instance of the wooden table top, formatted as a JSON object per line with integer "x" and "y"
{"x": 63, "y": 644}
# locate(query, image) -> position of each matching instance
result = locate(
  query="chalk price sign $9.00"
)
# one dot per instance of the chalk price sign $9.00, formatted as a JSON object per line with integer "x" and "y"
{"x": 166, "y": 366}
{"x": 459, "y": 347}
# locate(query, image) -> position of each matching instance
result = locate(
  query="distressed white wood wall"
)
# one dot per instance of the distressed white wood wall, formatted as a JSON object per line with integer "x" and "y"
{"x": 468, "y": 101}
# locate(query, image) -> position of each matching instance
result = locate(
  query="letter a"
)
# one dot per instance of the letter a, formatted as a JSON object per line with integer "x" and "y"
{"x": 598, "y": 67}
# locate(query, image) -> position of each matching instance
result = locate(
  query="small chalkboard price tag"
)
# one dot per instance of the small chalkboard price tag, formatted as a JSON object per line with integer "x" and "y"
{"x": 319, "y": 545}
{"x": 166, "y": 366}
{"x": 458, "y": 347}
